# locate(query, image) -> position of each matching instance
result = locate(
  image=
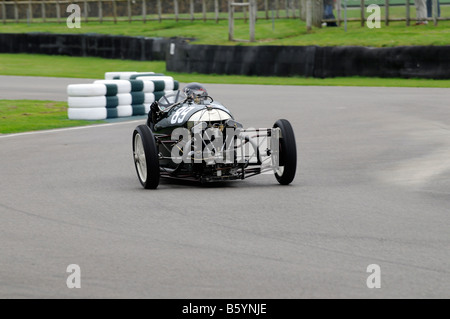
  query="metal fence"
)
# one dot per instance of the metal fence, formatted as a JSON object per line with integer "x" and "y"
{"x": 37, "y": 11}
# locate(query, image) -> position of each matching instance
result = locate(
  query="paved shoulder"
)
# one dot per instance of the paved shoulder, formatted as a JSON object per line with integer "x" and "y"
{"x": 36, "y": 88}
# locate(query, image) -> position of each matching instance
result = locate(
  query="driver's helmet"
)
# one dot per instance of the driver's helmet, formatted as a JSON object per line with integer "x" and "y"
{"x": 196, "y": 91}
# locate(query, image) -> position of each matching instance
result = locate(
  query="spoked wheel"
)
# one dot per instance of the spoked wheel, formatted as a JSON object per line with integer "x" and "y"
{"x": 285, "y": 172}
{"x": 145, "y": 153}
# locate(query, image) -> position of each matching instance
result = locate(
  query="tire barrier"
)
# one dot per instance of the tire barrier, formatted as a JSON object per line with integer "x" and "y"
{"x": 123, "y": 86}
{"x": 137, "y": 98}
{"x": 118, "y": 75}
{"x": 124, "y": 98}
{"x": 92, "y": 90}
{"x": 120, "y": 94}
{"x": 139, "y": 109}
{"x": 160, "y": 81}
{"x": 86, "y": 101}
{"x": 92, "y": 114}
{"x": 94, "y": 45}
{"x": 124, "y": 110}
{"x": 90, "y": 101}
{"x": 431, "y": 62}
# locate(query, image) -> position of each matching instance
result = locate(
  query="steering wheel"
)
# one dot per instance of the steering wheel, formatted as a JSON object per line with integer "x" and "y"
{"x": 166, "y": 103}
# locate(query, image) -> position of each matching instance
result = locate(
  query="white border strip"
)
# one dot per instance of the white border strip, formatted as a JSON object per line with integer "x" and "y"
{"x": 75, "y": 128}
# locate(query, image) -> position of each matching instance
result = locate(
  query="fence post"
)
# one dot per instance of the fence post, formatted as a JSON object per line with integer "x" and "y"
{"x": 244, "y": 9}
{"x": 204, "y": 10}
{"x": 86, "y": 11}
{"x": 363, "y": 18}
{"x": 43, "y": 12}
{"x": 30, "y": 9}
{"x": 192, "y": 9}
{"x": 277, "y": 7}
{"x": 159, "y": 7}
{"x": 338, "y": 12}
{"x": 216, "y": 9}
{"x": 230, "y": 21}
{"x": 252, "y": 15}
{"x": 386, "y": 5}
{"x": 144, "y": 11}
{"x": 115, "y": 11}
{"x": 100, "y": 11}
{"x": 294, "y": 15}
{"x": 58, "y": 11}
{"x": 302, "y": 6}
{"x": 16, "y": 12}
{"x": 129, "y": 10}
{"x": 435, "y": 12}
{"x": 3, "y": 12}
{"x": 309, "y": 13}
{"x": 345, "y": 15}
{"x": 266, "y": 8}
{"x": 175, "y": 9}
{"x": 407, "y": 13}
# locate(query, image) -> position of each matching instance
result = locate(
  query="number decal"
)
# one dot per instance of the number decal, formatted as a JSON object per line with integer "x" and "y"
{"x": 180, "y": 114}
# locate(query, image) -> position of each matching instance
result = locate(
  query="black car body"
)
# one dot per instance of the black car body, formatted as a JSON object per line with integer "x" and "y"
{"x": 185, "y": 138}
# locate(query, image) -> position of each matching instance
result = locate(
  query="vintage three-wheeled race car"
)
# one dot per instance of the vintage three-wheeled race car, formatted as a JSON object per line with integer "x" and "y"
{"x": 190, "y": 136}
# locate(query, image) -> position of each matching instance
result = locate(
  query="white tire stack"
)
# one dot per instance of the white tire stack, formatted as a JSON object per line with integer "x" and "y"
{"x": 156, "y": 84}
{"x": 123, "y": 107}
{"x": 89, "y": 101}
{"x": 120, "y": 94}
{"x": 146, "y": 88}
{"x": 118, "y": 75}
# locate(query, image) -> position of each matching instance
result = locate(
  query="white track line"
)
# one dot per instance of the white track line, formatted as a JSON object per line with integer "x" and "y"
{"x": 69, "y": 129}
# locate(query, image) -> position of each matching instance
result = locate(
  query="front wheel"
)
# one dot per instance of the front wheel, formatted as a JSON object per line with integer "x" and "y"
{"x": 287, "y": 166}
{"x": 145, "y": 154}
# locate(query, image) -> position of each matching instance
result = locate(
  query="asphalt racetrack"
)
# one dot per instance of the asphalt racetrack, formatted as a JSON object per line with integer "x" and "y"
{"x": 372, "y": 188}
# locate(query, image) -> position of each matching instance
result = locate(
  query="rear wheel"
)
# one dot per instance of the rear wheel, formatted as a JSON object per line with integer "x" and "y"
{"x": 285, "y": 173}
{"x": 145, "y": 154}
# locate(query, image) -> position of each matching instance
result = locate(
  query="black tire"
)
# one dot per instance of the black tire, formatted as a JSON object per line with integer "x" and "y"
{"x": 287, "y": 154}
{"x": 145, "y": 155}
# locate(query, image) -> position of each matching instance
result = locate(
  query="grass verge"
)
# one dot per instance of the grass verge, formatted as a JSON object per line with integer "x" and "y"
{"x": 95, "y": 68}
{"x": 28, "y": 115}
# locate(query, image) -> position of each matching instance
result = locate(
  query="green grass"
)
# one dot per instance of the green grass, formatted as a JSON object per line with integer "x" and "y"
{"x": 95, "y": 68}
{"x": 285, "y": 31}
{"x": 29, "y": 115}
{"x": 71, "y": 67}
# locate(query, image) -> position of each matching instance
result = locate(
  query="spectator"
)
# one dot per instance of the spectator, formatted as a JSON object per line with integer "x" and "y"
{"x": 430, "y": 8}
{"x": 421, "y": 12}
{"x": 328, "y": 6}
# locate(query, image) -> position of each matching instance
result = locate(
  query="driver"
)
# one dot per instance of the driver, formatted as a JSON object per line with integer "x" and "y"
{"x": 196, "y": 91}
